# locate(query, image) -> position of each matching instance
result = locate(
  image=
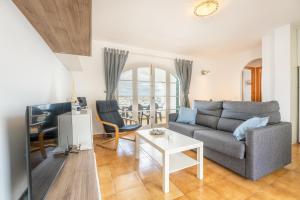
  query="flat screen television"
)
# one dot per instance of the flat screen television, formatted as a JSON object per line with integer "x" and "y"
{"x": 45, "y": 149}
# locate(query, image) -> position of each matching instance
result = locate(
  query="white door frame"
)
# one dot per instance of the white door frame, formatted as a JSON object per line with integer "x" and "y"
{"x": 152, "y": 94}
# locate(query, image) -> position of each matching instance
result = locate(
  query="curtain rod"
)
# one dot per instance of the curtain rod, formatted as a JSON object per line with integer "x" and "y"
{"x": 156, "y": 56}
{"x": 163, "y": 57}
{"x": 151, "y": 55}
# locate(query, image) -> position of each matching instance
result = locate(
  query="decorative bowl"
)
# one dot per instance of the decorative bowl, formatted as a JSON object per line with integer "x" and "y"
{"x": 157, "y": 131}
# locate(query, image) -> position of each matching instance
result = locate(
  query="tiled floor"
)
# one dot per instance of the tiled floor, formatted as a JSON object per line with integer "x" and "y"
{"x": 122, "y": 177}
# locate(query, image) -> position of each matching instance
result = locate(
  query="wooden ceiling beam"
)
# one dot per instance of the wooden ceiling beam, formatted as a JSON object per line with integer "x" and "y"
{"x": 65, "y": 25}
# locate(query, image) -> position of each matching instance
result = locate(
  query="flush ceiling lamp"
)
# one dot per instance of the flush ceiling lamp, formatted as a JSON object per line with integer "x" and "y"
{"x": 206, "y": 8}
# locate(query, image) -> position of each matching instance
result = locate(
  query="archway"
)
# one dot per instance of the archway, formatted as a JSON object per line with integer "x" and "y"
{"x": 251, "y": 81}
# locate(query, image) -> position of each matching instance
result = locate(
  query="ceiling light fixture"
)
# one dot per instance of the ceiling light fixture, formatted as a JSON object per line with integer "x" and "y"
{"x": 206, "y": 8}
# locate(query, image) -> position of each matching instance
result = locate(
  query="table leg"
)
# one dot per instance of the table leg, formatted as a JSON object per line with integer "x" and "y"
{"x": 166, "y": 167}
{"x": 200, "y": 164}
{"x": 137, "y": 146}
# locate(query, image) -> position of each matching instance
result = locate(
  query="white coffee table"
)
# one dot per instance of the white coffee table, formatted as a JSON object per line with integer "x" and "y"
{"x": 167, "y": 150}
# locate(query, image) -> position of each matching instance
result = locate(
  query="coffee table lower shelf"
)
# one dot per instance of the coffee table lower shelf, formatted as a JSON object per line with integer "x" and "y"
{"x": 178, "y": 161}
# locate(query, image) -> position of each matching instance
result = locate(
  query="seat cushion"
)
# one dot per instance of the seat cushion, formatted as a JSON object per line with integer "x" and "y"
{"x": 131, "y": 127}
{"x": 222, "y": 142}
{"x": 185, "y": 129}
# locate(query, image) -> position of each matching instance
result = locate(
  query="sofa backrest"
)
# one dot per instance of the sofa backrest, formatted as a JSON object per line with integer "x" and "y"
{"x": 209, "y": 113}
{"x": 236, "y": 112}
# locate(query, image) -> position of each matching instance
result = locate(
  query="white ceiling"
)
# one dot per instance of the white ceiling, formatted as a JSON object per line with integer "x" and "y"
{"x": 169, "y": 25}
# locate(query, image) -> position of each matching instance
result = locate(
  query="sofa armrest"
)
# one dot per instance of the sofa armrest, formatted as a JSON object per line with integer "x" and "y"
{"x": 173, "y": 117}
{"x": 268, "y": 149}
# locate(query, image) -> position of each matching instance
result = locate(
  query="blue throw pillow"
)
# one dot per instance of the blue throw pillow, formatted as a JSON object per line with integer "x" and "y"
{"x": 187, "y": 115}
{"x": 255, "y": 122}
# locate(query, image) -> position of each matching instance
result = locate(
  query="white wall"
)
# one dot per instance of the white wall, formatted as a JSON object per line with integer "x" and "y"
{"x": 282, "y": 69}
{"x": 223, "y": 83}
{"x": 280, "y": 72}
{"x": 268, "y": 79}
{"x": 30, "y": 74}
{"x": 71, "y": 62}
{"x": 255, "y": 63}
{"x": 298, "y": 89}
{"x": 225, "y": 80}
{"x": 298, "y": 46}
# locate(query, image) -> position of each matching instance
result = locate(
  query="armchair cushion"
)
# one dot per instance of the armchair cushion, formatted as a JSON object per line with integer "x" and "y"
{"x": 109, "y": 111}
{"x": 131, "y": 127}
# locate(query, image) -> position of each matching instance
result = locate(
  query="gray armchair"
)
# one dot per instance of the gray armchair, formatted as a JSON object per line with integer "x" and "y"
{"x": 108, "y": 115}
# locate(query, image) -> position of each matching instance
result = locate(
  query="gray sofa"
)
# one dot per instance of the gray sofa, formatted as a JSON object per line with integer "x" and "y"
{"x": 264, "y": 150}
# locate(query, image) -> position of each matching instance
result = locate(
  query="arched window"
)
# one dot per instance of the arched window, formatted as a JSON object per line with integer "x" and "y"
{"x": 148, "y": 94}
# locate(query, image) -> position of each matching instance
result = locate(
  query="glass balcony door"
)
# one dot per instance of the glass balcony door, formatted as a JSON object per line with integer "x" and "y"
{"x": 148, "y": 94}
{"x": 159, "y": 114}
{"x": 126, "y": 96}
{"x": 144, "y": 96}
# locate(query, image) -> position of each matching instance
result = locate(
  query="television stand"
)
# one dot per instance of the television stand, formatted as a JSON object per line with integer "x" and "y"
{"x": 77, "y": 180}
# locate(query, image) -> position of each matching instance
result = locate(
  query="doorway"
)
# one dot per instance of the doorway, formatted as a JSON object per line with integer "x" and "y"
{"x": 252, "y": 81}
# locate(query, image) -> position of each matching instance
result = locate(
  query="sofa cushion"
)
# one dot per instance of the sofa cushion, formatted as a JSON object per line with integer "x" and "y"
{"x": 185, "y": 129}
{"x": 187, "y": 115}
{"x": 209, "y": 113}
{"x": 222, "y": 142}
{"x": 235, "y": 112}
{"x": 255, "y": 122}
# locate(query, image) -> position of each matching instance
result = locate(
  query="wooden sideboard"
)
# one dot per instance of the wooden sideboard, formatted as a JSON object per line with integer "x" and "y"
{"x": 77, "y": 180}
